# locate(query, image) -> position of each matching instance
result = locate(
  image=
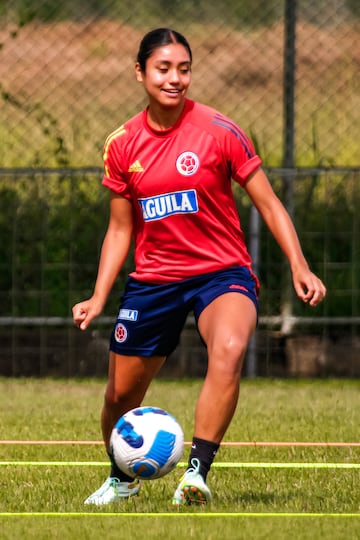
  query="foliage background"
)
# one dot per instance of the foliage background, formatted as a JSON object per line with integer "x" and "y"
{"x": 66, "y": 81}
{"x": 66, "y": 74}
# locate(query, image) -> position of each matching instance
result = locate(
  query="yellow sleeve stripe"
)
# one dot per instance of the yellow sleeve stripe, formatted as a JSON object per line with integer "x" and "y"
{"x": 117, "y": 133}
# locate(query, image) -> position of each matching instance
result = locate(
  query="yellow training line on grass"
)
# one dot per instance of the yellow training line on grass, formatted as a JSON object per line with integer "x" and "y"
{"x": 183, "y": 514}
{"x": 188, "y": 443}
{"x": 225, "y": 465}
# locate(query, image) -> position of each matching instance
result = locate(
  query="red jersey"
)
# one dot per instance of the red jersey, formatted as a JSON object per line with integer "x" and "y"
{"x": 179, "y": 182}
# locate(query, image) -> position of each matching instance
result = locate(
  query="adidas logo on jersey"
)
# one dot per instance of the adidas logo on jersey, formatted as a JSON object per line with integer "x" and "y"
{"x": 161, "y": 206}
{"x": 136, "y": 167}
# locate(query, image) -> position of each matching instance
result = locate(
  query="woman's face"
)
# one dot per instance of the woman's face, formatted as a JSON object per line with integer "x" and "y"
{"x": 167, "y": 76}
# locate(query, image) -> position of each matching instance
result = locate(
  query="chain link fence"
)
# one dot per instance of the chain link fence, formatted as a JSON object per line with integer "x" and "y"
{"x": 66, "y": 74}
{"x": 287, "y": 71}
{"x": 51, "y": 229}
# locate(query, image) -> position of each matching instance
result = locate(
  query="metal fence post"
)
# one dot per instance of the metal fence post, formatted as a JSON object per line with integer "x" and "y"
{"x": 254, "y": 248}
{"x": 289, "y": 146}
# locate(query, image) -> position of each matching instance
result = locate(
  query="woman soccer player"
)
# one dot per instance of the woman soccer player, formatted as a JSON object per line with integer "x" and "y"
{"x": 169, "y": 172}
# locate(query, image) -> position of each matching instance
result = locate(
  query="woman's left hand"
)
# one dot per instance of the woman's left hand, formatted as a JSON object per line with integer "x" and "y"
{"x": 309, "y": 288}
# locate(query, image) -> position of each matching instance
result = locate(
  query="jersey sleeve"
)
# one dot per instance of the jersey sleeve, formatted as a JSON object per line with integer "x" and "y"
{"x": 115, "y": 177}
{"x": 239, "y": 151}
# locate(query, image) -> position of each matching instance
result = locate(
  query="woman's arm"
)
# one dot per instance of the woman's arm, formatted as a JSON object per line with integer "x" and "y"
{"x": 308, "y": 286}
{"x": 114, "y": 251}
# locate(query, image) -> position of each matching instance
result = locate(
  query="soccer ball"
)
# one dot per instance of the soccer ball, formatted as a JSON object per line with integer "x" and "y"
{"x": 147, "y": 443}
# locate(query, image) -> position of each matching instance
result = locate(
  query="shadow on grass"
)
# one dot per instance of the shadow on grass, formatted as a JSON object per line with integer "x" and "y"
{"x": 251, "y": 498}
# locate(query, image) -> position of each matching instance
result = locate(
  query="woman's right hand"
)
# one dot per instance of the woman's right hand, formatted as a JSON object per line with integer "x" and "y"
{"x": 84, "y": 312}
{"x": 114, "y": 251}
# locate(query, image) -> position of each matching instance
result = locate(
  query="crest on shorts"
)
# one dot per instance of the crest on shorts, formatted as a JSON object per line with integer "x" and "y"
{"x": 120, "y": 333}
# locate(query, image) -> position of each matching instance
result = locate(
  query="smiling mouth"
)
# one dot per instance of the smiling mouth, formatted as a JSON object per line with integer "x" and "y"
{"x": 174, "y": 92}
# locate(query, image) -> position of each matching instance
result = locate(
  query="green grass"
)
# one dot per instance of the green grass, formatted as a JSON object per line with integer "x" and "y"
{"x": 323, "y": 503}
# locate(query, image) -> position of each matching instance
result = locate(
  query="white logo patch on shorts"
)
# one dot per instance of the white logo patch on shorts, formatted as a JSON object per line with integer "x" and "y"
{"x": 128, "y": 314}
{"x": 120, "y": 333}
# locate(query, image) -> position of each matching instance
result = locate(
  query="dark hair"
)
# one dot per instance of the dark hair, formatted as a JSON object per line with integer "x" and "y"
{"x": 157, "y": 38}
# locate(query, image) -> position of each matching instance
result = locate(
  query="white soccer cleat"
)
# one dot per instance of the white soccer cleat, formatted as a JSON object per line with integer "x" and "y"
{"x": 192, "y": 488}
{"x": 113, "y": 490}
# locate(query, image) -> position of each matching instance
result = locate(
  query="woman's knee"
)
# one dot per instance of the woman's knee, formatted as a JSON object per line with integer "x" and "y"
{"x": 116, "y": 397}
{"x": 112, "y": 398}
{"x": 232, "y": 346}
{"x": 226, "y": 356}
{"x": 129, "y": 379}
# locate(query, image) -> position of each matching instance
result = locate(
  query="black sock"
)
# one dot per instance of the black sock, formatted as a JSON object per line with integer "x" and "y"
{"x": 205, "y": 452}
{"x": 115, "y": 472}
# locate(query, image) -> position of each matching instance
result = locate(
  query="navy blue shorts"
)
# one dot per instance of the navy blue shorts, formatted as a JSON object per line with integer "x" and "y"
{"x": 151, "y": 317}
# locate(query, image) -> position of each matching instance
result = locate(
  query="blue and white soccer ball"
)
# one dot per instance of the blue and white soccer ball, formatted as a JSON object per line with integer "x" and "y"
{"x": 147, "y": 443}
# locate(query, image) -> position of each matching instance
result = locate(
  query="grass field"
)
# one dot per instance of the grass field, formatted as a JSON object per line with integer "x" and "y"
{"x": 308, "y": 496}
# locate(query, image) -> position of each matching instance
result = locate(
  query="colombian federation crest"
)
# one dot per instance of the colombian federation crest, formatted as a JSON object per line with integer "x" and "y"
{"x": 187, "y": 163}
{"x": 120, "y": 333}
